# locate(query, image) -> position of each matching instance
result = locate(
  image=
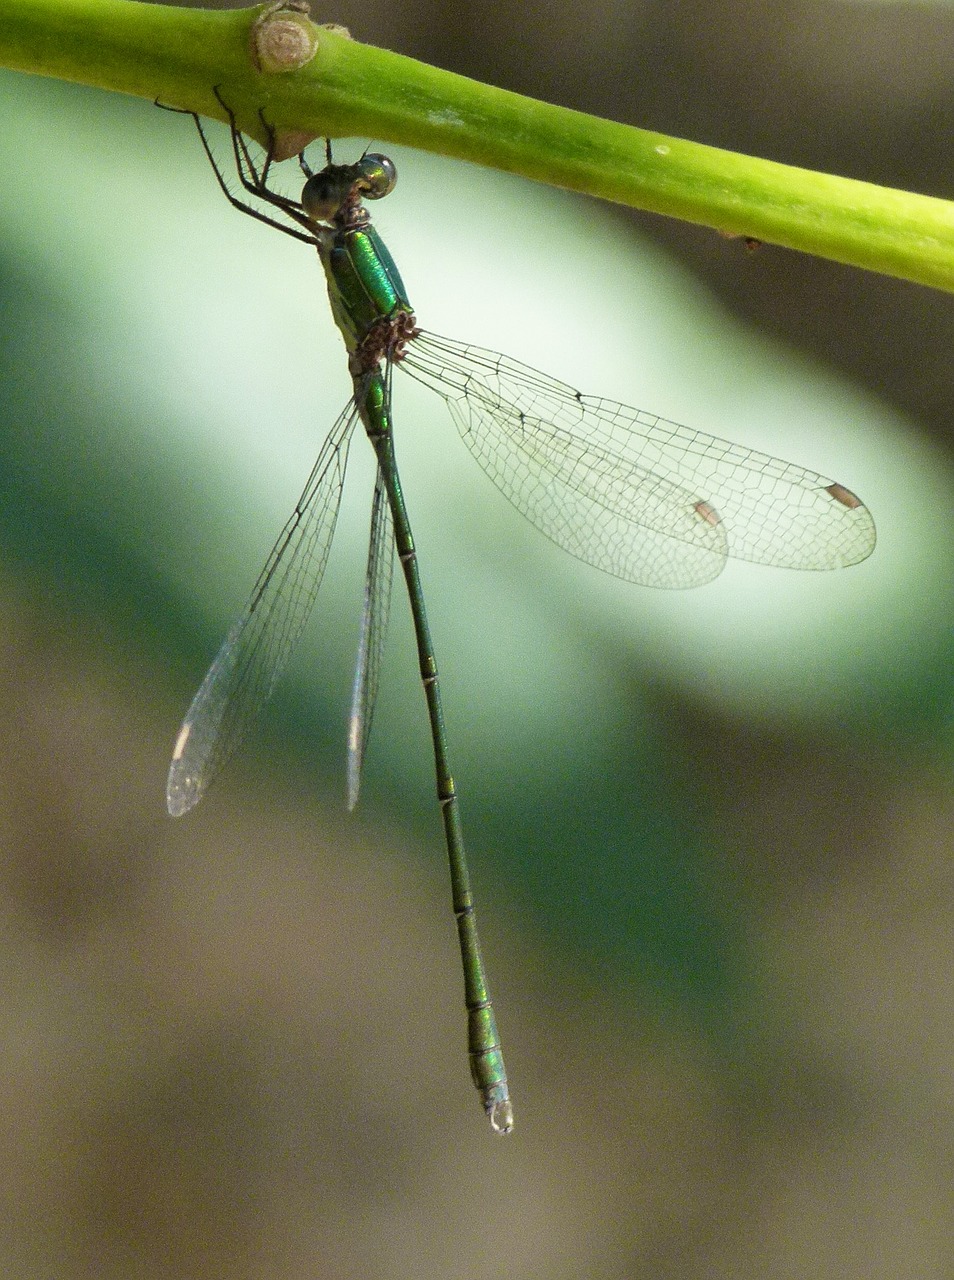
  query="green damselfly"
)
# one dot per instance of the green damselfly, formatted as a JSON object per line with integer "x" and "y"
{"x": 628, "y": 492}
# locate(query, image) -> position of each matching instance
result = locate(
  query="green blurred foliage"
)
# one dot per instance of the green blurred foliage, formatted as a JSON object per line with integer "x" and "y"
{"x": 672, "y": 802}
{"x": 125, "y": 503}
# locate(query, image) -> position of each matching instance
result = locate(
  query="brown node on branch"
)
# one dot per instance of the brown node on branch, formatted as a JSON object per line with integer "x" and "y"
{"x": 283, "y": 38}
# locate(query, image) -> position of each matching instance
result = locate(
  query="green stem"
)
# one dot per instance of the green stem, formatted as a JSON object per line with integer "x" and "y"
{"x": 348, "y": 89}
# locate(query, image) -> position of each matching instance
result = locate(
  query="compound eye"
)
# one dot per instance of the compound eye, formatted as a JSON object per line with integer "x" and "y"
{"x": 377, "y": 176}
{"x": 323, "y": 195}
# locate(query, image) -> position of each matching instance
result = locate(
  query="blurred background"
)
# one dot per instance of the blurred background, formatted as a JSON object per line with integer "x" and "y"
{"x": 709, "y": 831}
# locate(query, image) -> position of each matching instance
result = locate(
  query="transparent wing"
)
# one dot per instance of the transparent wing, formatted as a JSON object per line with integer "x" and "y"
{"x": 374, "y": 626}
{"x": 258, "y": 644}
{"x": 643, "y": 498}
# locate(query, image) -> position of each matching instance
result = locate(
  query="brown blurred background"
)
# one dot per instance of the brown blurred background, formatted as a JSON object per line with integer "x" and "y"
{"x": 718, "y": 921}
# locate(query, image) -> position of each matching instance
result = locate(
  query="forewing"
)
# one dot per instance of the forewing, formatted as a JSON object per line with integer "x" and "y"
{"x": 258, "y": 644}
{"x": 765, "y": 510}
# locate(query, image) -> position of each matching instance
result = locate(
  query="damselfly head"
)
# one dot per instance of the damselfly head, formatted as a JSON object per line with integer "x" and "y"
{"x": 339, "y": 188}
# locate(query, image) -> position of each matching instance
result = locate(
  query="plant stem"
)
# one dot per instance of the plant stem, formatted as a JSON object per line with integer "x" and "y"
{"x": 178, "y": 55}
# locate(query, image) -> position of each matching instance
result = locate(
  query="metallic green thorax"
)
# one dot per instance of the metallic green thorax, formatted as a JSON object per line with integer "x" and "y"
{"x": 364, "y": 286}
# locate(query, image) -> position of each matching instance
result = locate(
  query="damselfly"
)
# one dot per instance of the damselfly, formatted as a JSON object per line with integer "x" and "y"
{"x": 626, "y": 491}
